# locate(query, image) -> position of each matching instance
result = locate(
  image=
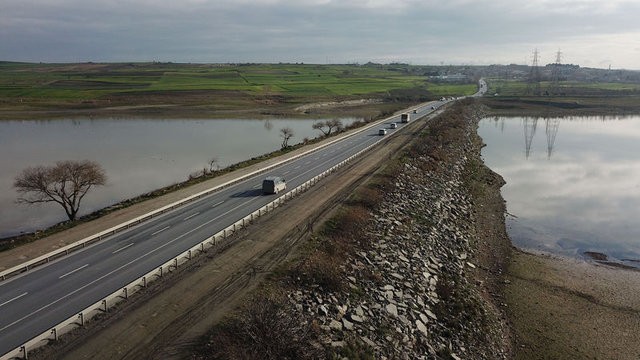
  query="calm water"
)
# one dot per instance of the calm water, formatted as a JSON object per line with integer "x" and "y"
{"x": 573, "y": 184}
{"x": 138, "y": 156}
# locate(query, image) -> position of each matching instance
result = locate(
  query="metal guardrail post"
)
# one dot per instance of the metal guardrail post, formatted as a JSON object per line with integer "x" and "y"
{"x": 213, "y": 240}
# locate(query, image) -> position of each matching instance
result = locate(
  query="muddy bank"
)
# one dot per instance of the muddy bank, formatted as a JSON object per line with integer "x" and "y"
{"x": 571, "y": 309}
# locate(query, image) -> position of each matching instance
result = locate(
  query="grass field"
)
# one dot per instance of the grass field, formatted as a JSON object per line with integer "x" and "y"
{"x": 565, "y": 88}
{"x": 224, "y": 86}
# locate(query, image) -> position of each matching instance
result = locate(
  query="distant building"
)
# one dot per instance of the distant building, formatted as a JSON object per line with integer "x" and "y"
{"x": 450, "y": 78}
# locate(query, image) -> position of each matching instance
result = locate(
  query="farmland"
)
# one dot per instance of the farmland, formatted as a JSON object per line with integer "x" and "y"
{"x": 31, "y": 90}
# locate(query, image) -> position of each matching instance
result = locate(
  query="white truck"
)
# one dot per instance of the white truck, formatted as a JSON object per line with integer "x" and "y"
{"x": 273, "y": 185}
{"x": 404, "y": 118}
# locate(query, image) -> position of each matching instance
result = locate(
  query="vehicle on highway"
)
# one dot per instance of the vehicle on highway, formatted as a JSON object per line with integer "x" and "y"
{"x": 415, "y": 111}
{"x": 273, "y": 185}
{"x": 433, "y": 108}
{"x": 393, "y": 126}
{"x": 404, "y": 118}
{"x": 382, "y": 132}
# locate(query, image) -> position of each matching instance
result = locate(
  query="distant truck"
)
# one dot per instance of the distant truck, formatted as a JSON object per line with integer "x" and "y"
{"x": 382, "y": 132}
{"x": 404, "y": 118}
{"x": 273, "y": 185}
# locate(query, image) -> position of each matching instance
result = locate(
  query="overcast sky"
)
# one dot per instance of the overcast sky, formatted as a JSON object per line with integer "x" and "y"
{"x": 592, "y": 33}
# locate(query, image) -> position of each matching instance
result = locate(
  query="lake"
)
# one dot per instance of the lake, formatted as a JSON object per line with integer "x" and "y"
{"x": 138, "y": 155}
{"x": 573, "y": 184}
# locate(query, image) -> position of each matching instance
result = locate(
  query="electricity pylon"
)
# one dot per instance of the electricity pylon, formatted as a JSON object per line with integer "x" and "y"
{"x": 534, "y": 76}
{"x": 554, "y": 87}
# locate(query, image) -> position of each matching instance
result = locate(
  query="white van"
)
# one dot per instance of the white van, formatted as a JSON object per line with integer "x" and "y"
{"x": 382, "y": 132}
{"x": 273, "y": 185}
{"x": 394, "y": 125}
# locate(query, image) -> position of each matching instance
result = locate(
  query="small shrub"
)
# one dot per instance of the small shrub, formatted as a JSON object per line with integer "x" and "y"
{"x": 263, "y": 329}
{"x": 321, "y": 269}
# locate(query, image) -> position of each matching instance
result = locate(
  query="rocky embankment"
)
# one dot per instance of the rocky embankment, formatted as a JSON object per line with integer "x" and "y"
{"x": 409, "y": 287}
{"x": 421, "y": 304}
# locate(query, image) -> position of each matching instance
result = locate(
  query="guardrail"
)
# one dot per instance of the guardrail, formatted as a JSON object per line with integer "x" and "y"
{"x": 82, "y": 243}
{"x": 103, "y": 305}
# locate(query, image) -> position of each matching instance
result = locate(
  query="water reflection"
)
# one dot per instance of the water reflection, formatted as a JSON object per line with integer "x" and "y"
{"x": 530, "y": 124}
{"x": 551, "y": 129}
{"x": 572, "y": 191}
{"x": 138, "y": 155}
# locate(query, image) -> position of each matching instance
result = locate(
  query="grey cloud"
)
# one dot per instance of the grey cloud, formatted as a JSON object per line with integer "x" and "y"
{"x": 310, "y": 31}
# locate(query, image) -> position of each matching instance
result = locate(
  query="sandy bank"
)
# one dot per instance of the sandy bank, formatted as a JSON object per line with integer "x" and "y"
{"x": 571, "y": 309}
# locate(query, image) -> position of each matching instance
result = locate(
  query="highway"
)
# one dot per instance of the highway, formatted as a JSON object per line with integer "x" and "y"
{"x": 39, "y": 299}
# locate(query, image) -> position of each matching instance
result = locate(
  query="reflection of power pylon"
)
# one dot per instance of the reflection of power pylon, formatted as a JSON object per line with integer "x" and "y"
{"x": 501, "y": 120}
{"x": 530, "y": 125}
{"x": 534, "y": 76}
{"x": 551, "y": 128}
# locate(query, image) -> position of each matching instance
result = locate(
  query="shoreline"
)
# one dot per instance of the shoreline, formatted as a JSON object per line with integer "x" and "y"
{"x": 571, "y": 308}
{"x": 561, "y": 307}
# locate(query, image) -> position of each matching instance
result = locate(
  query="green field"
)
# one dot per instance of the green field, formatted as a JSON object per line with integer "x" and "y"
{"x": 565, "y": 88}
{"x": 68, "y": 82}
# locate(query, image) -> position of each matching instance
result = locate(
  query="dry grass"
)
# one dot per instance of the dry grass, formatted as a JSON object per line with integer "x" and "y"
{"x": 263, "y": 329}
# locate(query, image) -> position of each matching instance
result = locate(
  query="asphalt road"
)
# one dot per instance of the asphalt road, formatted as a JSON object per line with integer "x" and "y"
{"x": 36, "y": 301}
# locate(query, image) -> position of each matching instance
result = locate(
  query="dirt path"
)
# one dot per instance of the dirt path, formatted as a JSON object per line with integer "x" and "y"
{"x": 169, "y": 315}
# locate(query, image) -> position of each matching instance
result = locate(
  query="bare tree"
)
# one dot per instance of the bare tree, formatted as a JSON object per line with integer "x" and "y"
{"x": 64, "y": 183}
{"x": 286, "y": 134}
{"x": 331, "y": 125}
{"x": 213, "y": 164}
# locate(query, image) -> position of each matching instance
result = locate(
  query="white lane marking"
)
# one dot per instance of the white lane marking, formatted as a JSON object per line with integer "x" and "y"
{"x": 297, "y": 167}
{"x": 118, "y": 269}
{"x": 122, "y": 248}
{"x": 233, "y": 209}
{"x": 161, "y": 230}
{"x": 216, "y": 204}
{"x": 15, "y": 298}
{"x": 365, "y": 144}
{"x": 190, "y": 216}
{"x": 286, "y": 172}
{"x": 72, "y": 271}
{"x": 257, "y": 186}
